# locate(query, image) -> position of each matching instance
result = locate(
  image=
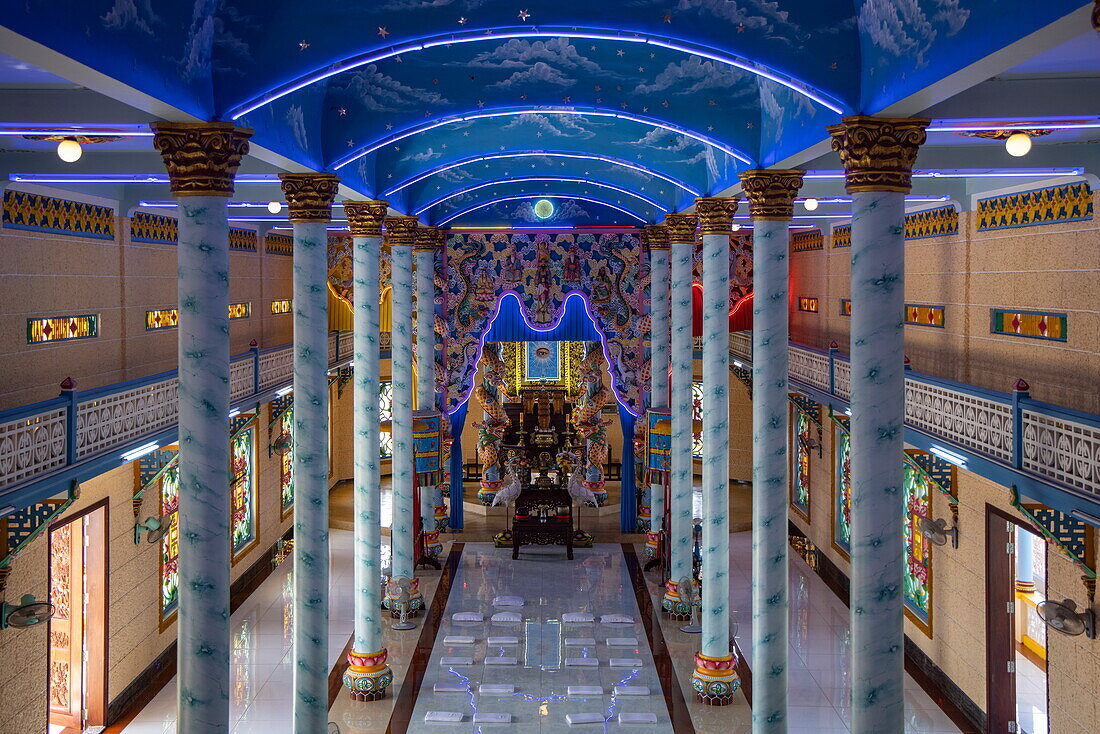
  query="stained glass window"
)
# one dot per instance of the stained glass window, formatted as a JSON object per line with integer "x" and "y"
{"x": 243, "y": 526}
{"x": 286, "y": 477}
{"x": 842, "y": 531}
{"x": 385, "y": 413}
{"x": 696, "y": 417}
{"x": 801, "y": 436}
{"x": 62, "y": 328}
{"x": 280, "y": 307}
{"x": 918, "y": 549}
{"x": 170, "y": 542}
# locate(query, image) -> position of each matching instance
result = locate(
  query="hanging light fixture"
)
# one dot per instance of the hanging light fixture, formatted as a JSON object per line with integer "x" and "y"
{"x": 69, "y": 150}
{"x": 1018, "y": 144}
{"x": 275, "y": 207}
{"x": 811, "y": 205}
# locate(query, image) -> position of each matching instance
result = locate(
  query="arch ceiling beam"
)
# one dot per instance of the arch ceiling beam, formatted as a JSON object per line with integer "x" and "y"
{"x": 530, "y": 197}
{"x": 539, "y": 179}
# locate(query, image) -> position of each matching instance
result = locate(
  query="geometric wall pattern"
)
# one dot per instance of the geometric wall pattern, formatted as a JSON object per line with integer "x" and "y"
{"x": 1067, "y": 203}
{"x": 936, "y": 222}
{"x": 37, "y": 213}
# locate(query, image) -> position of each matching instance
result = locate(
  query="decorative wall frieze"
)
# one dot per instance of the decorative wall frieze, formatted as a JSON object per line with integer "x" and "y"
{"x": 309, "y": 196}
{"x": 279, "y": 244}
{"x": 38, "y": 213}
{"x": 681, "y": 228}
{"x": 201, "y": 157}
{"x": 365, "y": 217}
{"x": 1051, "y": 205}
{"x": 716, "y": 214}
{"x": 771, "y": 193}
{"x": 943, "y": 220}
{"x": 878, "y": 153}
{"x": 401, "y": 231}
{"x": 807, "y": 241}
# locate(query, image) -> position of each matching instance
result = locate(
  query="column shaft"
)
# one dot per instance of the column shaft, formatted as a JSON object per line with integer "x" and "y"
{"x": 425, "y": 361}
{"x": 679, "y": 531}
{"x": 311, "y": 551}
{"x": 770, "y": 650}
{"x": 401, "y": 530}
{"x": 204, "y": 464}
{"x": 658, "y": 361}
{"x": 878, "y": 409}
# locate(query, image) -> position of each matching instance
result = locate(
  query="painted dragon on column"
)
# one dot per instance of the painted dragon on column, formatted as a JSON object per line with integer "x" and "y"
{"x": 491, "y": 395}
{"x": 587, "y": 416}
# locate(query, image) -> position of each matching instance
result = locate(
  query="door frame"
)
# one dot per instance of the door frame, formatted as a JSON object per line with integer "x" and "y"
{"x": 97, "y": 567}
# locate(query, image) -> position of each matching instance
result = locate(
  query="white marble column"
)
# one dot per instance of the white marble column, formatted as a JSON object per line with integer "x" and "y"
{"x": 878, "y": 156}
{"x": 203, "y": 193}
{"x": 681, "y": 231}
{"x": 367, "y": 676}
{"x": 659, "y": 338}
{"x": 428, "y": 243}
{"x": 715, "y": 681}
{"x": 771, "y": 201}
{"x": 309, "y": 198}
{"x": 401, "y": 234}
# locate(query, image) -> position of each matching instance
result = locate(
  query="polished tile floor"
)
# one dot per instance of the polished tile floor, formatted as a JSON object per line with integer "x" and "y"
{"x": 1031, "y": 697}
{"x": 596, "y": 581}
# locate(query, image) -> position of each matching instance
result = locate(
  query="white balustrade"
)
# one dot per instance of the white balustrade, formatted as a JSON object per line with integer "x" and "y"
{"x": 332, "y": 347}
{"x": 741, "y": 344}
{"x": 979, "y": 423}
{"x": 276, "y": 367}
{"x": 122, "y": 417}
{"x": 32, "y": 445}
{"x": 240, "y": 378}
{"x": 842, "y": 378}
{"x": 809, "y": 367}
{"x": 1064, "y": 450}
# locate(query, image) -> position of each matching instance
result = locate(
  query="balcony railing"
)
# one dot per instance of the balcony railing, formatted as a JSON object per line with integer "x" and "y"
{"x": 40, "y": 440}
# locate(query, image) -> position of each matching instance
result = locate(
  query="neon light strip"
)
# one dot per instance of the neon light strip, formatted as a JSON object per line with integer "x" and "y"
{"x": 232, "y": 204}
{"x": 589, "y": 199}
{"x": 334, "y": 220}
{"x": 542, "y": 329}
{"x": 539, "y": 179}
{"x": 544, "y": 154}
{"x": 954, "y": 126}
{"x": 484, "y": 35}
{"x": 848, "y": 199}
{"x": 579, "y": 111}
{"x": 970, "y": 173}
{"x": 125, "y": 178}
{"x": 133, "y": 131}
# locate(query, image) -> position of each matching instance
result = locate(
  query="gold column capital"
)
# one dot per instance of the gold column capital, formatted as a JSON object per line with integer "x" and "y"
{"x": 716, "y": 214}
{"x": 681, "y": 228}
{"x": 365, "y": 217}
{"x": 878, "y": 153}
{"x": 771, "y": 193}
{"x": 401, "y": 231}
{"x": 429, "y": 238}
{"x": 655, "y": 236}
{"x": 309, "y": 196}
{"x": 201, "y": 157}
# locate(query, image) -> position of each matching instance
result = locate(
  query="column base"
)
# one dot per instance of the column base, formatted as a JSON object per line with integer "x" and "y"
{"x": 715, "y": 680}
{"x": 652, "y": 544}
{"x": 503, "y": 539}
{"x": 392, "y": 599}
{"x": 673, "y": 604}
{"x": 1025, "y": 587}
{"x": 433, "y": 546}
{"x": 442, "y": 516}
{"x": 644, "y": 519}
{"x": 368, "y": 676}
{"x": 488, "y": 491}
{"x": 598, "y": 489}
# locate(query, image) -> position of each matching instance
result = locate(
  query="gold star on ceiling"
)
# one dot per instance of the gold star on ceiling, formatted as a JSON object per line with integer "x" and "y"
{"x": 382, "y": 31}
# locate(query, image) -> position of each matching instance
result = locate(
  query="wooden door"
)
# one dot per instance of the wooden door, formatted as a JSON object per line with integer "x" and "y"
{"x": 66, "y": 664}
{"x": 1000, "y": 573}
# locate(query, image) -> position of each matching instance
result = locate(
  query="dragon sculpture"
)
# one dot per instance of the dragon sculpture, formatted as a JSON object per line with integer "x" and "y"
{"x": 491, "y": 395}
{"x": 587, "y": 416}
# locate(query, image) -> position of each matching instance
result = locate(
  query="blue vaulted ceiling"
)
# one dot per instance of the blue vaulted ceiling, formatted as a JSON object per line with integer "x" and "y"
{"x": 388, "y": 90}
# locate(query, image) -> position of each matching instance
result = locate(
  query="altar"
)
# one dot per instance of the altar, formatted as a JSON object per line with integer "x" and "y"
{"x": 543, "y": 516}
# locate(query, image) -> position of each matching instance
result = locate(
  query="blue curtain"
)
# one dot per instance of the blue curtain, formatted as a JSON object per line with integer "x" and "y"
{"x": 458, "y": 420}
{"x": 628, "y": 509}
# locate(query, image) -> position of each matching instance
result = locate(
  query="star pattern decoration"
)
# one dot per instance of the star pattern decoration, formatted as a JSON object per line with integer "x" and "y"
{"x": 463, "y": 20}
{"x": 524, "y": 15}
{"x": 480, "y": 103}
{"x": 342, "y": 111}
{"x": 667, "y": 17}
{"x": 389, "y": 126}
{"x": 351, "y": 143}
{"x": 620, "y": 52}
{"x": 382, "y": 31}
{"x": 303, "y": 45}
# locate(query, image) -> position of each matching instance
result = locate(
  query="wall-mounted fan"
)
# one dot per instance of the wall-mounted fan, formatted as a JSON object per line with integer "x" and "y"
{"x": 27, "y": 612}
{"x": 1064, "y": 617}
{"x": 688, "y": 596}
{"x": 282, "y": 444}
{"x": 154, "y": 527}
{"x": 938, "y": 533}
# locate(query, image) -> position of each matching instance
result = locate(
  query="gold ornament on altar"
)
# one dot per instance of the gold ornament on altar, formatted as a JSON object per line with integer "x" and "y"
{"x": 201, "y": 157}
{"x": 878, "y": 153}
{"x": 716, "y": 214}
{"x": 771, "y": 193}
{"x": 309, "y": 196}
{"x": 365, "y": 217}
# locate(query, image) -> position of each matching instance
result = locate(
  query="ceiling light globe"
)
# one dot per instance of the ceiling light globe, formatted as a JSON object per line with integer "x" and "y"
{"x": 1018, "y": 145}
{"x": 274, "y": 207}
{"x": 734, "y": 227}
{"x": 811, "y": 205}
{"x": 69, "y": 151}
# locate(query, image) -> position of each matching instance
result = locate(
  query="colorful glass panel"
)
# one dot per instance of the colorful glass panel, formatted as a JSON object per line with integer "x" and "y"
{"x": 918, "y": 549}
{"x": 170, "y": 542}
{"x": 243, "y": 526}
{"x": 919, "y": 315}
{"x": 800, "y": 469}
{"x": 61, "y": 328}
{"x": 842, "y": 532}
{"x": 1034, "y": 324}
{"x": 385, "y": 413}
{"x": 808, "y": 304}
{"x": 162, "y": 318}
{"x": 280, "y": 307}
{"x": 696, "y": 419}
{"x": 240, "y": 310}
{"x": 286, "y": 478}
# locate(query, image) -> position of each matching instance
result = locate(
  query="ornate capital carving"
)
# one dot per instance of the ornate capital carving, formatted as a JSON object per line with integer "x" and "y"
{"x": 429, "y": 238}
{"x": 681, "y": 228}
{"x": 401, "y": 231}
{"x": 716, "y": 214}
{"x": 878, "y": 152}
{"x": 655, "y": 236}
{"x": 771, "y": 192}
{"x": 201, "y": 157}
{"x": 309, "y": 196}
{"x": 365, "y": 217}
